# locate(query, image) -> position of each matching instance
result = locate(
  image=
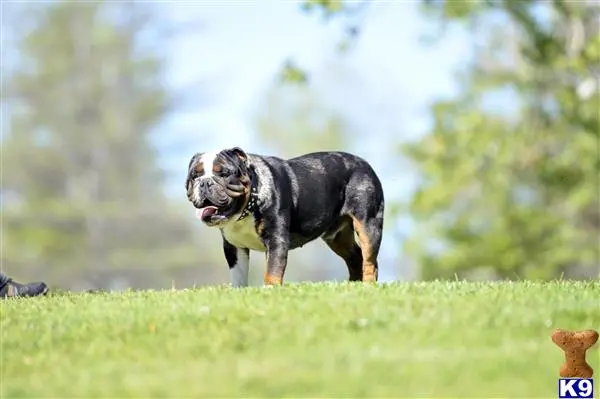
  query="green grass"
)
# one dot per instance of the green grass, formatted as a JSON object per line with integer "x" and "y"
{"x": 305, "y": 340}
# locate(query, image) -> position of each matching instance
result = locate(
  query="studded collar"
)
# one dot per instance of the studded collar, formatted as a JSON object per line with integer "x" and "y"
{"x": 253, "y": 202}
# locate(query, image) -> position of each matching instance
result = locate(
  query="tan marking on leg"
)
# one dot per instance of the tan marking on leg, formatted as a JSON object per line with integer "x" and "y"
{"x": 369, "y": 272}
{"x": 344, "y": 246}
{"x": 272, "y": 280}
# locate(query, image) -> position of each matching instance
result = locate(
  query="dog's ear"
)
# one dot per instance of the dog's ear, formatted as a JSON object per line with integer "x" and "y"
{"x": 191, "y": 162}
{"x": 238, "y": 152}
{"x": 188, "y": 178}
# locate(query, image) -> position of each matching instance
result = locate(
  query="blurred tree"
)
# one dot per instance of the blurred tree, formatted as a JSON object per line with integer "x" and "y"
{"x": 351, "y": 12}
{"x": 294, "y": 120}
{"x": 513, "y": 187}
{"x": 510, "y": 172}
{"x": 83, "y": 92}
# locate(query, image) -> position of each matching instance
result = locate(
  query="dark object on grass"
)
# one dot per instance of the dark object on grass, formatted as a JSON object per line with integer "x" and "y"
{"x": 11, "y": 288}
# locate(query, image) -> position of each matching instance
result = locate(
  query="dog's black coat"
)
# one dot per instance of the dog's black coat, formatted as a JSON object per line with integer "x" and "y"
{"x": 333, "y": 195}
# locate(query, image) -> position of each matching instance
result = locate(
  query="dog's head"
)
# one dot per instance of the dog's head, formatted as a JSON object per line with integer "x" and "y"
{"x": 218, "y": 184}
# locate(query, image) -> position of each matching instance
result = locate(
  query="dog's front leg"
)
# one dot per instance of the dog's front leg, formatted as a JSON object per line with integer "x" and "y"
{"x": 238, "y": 260}
{"x": 277, "y": 246}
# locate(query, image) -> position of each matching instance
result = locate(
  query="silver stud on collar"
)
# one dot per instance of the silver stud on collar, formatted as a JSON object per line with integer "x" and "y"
{"x": 252, "y": 205}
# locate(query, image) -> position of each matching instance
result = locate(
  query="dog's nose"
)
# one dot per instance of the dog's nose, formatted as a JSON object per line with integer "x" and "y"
{"x": 206, "y": 183}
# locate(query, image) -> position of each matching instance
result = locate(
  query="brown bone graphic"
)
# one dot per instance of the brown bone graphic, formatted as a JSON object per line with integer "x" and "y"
{"x": 575, "y": 344}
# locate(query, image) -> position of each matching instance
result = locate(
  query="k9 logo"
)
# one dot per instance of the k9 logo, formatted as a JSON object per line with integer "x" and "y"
{"x": 569, "y": 388}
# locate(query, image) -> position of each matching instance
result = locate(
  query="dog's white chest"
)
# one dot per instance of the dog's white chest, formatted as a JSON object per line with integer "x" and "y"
{"x": 242, "y": 234}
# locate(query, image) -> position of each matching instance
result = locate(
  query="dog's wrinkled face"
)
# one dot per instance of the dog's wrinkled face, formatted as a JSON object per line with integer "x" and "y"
{"x": 218, "y": 184}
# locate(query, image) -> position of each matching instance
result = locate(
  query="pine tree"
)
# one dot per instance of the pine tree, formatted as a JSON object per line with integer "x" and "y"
{"x": 81, "y": 186}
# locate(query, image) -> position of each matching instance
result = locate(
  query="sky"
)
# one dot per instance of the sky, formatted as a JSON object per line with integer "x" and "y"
{"x": 241, "y": 46}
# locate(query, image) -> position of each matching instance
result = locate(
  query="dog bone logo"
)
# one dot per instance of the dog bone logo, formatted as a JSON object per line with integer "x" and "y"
{"x": 575, "y": 344}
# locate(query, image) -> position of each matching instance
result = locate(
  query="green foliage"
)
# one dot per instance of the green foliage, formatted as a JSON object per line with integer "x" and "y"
{"x": 294, "y": 120}
{"x": 327, "y": 7}
{"x": 305, "y": 340}
{"x": 453, "y": 9}
{"x": 81, "y": 187}
{"x": 291, "y": 74}
{"x": 515, "y": 194}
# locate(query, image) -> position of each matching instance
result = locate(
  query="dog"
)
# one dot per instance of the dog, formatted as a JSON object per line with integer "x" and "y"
{"x": 268, "y": 204}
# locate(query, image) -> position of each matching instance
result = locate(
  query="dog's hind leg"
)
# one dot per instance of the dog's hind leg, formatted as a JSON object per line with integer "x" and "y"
{"x": 365, "y": 205}
{"x": 368, "y": 235}
{"x": 343, "y": 244}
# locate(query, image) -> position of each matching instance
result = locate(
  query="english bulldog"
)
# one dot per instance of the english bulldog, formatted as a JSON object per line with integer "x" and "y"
{"x": 274, "y": 205}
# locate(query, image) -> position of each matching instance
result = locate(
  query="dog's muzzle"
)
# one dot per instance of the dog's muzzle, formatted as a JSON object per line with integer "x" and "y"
{"x": 210, "y": 199}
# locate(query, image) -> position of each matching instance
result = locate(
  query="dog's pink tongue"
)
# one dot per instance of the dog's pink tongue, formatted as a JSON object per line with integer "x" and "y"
{"x": 206, "y": 212}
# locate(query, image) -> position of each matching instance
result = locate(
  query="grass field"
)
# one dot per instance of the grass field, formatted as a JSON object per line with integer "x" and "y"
{"x": 301, "y": 340}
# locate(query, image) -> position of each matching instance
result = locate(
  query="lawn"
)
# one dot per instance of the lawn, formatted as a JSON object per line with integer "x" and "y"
{"x": 302, "y": 340}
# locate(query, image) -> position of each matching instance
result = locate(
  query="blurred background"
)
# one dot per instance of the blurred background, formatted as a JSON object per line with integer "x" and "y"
{"x": 481, "y": 118}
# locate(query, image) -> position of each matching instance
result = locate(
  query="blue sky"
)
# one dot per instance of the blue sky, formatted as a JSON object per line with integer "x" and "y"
{"x": 243, "y": 45}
